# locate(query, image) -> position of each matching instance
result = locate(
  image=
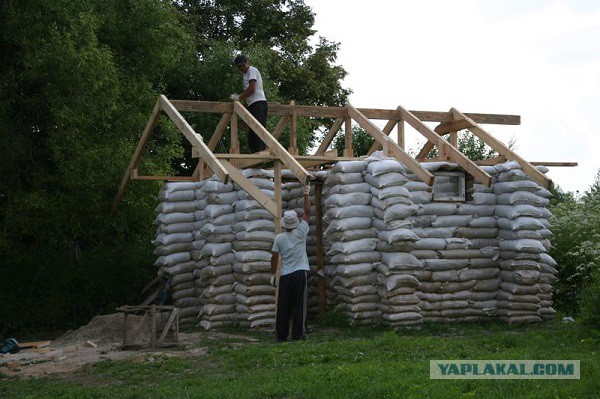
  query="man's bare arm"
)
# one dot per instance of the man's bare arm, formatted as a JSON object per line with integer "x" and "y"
{"x": 274, "y": 261}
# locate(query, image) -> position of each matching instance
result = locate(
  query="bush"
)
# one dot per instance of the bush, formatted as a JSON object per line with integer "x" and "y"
{"x": 590, "y": 301}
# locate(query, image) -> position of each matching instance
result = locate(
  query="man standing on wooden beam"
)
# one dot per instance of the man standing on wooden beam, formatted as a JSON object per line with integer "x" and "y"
{"x": 256, "y": 102}
{"x": 293, "y": 291}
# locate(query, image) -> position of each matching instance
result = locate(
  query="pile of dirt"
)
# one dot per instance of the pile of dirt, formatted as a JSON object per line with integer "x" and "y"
{"x": 103, "y": 329}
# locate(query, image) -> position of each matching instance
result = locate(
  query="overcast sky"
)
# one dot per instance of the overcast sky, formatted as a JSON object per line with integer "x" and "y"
{"x": 536, "y": 58}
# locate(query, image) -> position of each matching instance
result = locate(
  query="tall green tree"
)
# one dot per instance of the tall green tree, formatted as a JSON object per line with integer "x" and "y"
{"x": 277, "y": 36}
{"x": 78, "y": 79}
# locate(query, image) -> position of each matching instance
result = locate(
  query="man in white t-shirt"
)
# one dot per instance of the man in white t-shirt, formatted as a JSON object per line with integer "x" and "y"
{"x": 293, "y": 294}
{"x": 256, "y": 102}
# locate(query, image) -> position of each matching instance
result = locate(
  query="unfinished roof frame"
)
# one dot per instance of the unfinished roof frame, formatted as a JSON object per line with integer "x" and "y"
{"x": 226, "y": 166}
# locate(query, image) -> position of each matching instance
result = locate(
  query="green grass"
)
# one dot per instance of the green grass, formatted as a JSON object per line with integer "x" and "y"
{"x": 367, "y": 362}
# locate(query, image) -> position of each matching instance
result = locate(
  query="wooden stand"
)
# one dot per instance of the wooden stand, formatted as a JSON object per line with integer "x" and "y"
{"x": 131, "y": 340}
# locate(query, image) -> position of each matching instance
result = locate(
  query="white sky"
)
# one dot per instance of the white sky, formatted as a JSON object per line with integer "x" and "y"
{"x": 536, "y": 58}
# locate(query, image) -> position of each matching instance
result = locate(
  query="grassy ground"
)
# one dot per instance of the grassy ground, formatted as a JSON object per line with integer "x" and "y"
{"x": 367, "y": 362}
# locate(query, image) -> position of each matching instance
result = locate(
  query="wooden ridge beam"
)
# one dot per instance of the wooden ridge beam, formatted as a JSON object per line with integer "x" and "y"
{"x": 394, "y": 148}
{"x": 316, "y": 111}
{"x": 503, "y": 150}
{"x": 195, "y": 139}
{"x": 289, "y": 161}
{"x": 135, "y": 159}
{"x": 252, "y": 190}
{"x": 446, "y": 149}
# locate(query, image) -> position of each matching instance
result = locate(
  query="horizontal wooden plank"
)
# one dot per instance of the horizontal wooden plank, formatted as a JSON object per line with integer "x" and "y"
{"x": 166, "y": 178}
{"x": 339, "y": 112}
{"x": 34, "y": 344}
{"x": 565, "y": 164}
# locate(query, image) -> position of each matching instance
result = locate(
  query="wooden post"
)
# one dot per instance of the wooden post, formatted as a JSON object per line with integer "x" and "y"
{"x": 278, "y": 228}
{"x": 293, "y": 127}
{"x": 235, "y": 143}
{"x": 320, "y": 263}
{"x": 401, "y": 134}
{"x": 348, "y": 152}
{"x": 153, "y": 326}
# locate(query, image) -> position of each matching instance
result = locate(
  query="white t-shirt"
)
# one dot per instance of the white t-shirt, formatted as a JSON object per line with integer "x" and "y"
{"x": 258, "y": 95}
{"x": 292, "y": 247}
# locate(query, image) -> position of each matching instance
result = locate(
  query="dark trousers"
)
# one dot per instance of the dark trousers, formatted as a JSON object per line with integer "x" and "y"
{"x": 259, "y": 110}
{"x": 292, "y": 303}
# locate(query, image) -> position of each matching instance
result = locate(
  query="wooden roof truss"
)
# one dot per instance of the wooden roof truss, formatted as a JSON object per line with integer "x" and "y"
{"x": 226, "y": 166}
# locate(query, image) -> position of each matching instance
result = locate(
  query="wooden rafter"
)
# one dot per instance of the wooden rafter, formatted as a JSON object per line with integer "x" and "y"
{"x": 250, "y": 188}
{"x": 194, "y": 138}
{"x": 135, "y": 159}
{"x": 289, "y": 161}
{"x": 503, "y": 150}
{"x": 394, "y": 148}
{"x": 446, "y": 149}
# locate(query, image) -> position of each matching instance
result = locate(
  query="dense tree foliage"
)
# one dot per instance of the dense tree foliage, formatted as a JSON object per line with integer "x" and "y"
{"x": 78, "y": 80}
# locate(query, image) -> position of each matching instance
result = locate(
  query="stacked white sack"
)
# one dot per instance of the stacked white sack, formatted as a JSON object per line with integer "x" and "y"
{"x": 295, "y": 201}
{"x": 214, "y": 274}
{"x": 175, "y": 244}
{"x": 399, "y": 271}
{"x": 527, "y": 271}
{"x": 458, "y": 245}
{"x": 351, "y": 241}
{"x": 254, "y": 233}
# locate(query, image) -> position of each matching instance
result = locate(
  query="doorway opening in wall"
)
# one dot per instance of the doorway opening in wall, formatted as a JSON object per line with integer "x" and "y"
{"x": 449, "y": 186}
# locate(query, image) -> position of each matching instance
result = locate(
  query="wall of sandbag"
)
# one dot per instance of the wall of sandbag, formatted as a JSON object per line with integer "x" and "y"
{"x": 393, "y": 255}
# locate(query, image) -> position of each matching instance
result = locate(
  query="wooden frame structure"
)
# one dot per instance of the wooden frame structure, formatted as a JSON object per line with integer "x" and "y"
{"x": 226, "y": 165}
{"x": 172, "y": 323}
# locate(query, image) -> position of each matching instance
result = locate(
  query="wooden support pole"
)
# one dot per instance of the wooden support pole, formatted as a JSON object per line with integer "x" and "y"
{"x": 153, "y": 326}
{"x": 293, "y": 127}
{"x": 278, "y": 216}
{"x": 348, "y": 151}
{"x": 320, "y": 254}
{"x": 401, "y": 134}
